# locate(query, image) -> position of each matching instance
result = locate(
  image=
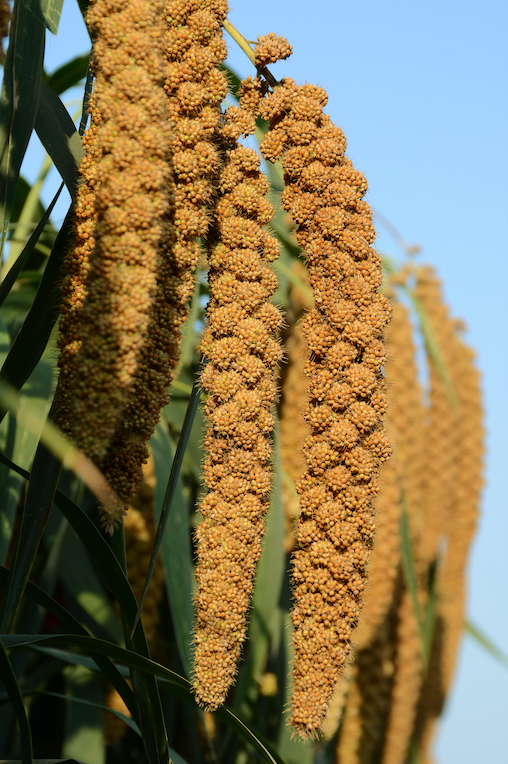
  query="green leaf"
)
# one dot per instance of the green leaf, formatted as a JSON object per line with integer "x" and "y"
{"x": 33, "y": 336}
{"x": 81, "y": 701}
{"x": 410, "y": 579}
{"x": 271, "y": 567}
{"x": 97, "y": 646}
{"x": 152, "y": 723}
{"x": 80, "y": 579}
{"x": 73, "y": 625}
{"x": 39, "y": 499}
{"x": 19, "y": 101}
{"x": 11, "y": 685}
{"x": 52, "y": 10}
{"x": 32, "y": 210}
{"x": 68, "y": 75}
{"x": 6, "y": 517}
{"x": 20, "y": 447}
{"x": 29, "y": 247}
{"x": 482, "y": 639}
{"x": 84, "y": 723}
{"x": 59, "y": 137}
{"x": 176, "y": 551}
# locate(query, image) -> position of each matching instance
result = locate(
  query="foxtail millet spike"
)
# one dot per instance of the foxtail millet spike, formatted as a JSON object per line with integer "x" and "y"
{"x": 324, "y": 196}
{"x": 405, "y": 425}
{"x": 132, "y": 200}
{"x": 242, "y": 350}
{"x": 451, "y": 573}
{"x": 77, "y": 267}
{"x": 195, "y": 86}
{"x": 407, "y": 681}
{"x": 389, "y": 697}
{"x": 442, "y": 426}
{"x": 368, "y": 700}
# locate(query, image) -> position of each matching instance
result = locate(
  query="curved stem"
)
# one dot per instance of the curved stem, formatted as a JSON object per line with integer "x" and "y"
{"x": 245, "y": 46}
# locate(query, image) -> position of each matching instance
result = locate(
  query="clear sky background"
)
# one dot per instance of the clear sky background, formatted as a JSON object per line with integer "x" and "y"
{"x": 421, "y": 92}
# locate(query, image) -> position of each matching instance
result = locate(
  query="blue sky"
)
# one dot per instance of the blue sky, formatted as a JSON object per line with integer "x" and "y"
{"x": 420, "y": 90}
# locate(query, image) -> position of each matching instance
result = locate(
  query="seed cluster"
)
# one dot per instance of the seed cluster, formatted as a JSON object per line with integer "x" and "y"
{"x": 195, "y": 86}
{"x": 131, "y": 202}
{"x": 368, "y": 701}
{"x": 347, "y": 391}
{"x": 242, "y": 350}
{"x": 443, "y": 426}
{"x": 380, "y": 709}
{"x": 193, "y": 49}
{"x": 407, "y": 681}
{"x": 452, "y": 581}
{"x": 459, "y": 518}
{"x": 116, "y": 334}
{"x": 77, "y": 266}
{"x": 271, "y": 48}
{"x": 406, "y": 427}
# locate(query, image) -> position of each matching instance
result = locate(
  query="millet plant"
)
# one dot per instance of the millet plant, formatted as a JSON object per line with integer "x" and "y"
{"x": 234, "y": 521}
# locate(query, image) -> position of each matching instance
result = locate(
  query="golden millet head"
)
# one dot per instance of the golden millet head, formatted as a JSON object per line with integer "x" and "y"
{"x": 271, "y": 48}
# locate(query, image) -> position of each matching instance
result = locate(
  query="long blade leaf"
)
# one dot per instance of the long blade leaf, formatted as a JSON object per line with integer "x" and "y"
{"x": 32, "y": 338}
{"x": 40, "y": 495}
{"x": 11, "y": 685}
{"x": 19, "y": 100}
{"x": 479, "y": 636}
{"x": 68, "y": 75}
{"x": 91, "y": 646}
{"x": 115, "y": 579}
{"x": 59, "y": 137}
{"x": 410, "y": 579}
{"x": 18, "y": 266}
{"x": 106, "y": 666}
{"x": 176, "y": 550}
{"x": 52, "y": 10}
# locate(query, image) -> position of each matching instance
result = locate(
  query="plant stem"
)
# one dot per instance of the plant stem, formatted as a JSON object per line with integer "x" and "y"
{"x": 244, "y": 45}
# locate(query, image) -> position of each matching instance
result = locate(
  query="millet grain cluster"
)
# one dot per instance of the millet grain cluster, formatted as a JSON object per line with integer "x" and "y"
{"x": 195, "y": 87}
{"x": 380, "y": 708}
{"x": 347, "y": 391}
{"x": 109, "y": 347}
{"x": 459, "y": 518}
{"x": 443, "y": 415}
{"x": 405, "y": 423}
{"x": 242, "y": 350}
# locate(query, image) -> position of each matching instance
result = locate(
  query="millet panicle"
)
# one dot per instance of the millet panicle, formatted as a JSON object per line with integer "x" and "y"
{"x": 347, "y": 390}
{"x": 121, "y": 240}
{"x": 242, "y": 351}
